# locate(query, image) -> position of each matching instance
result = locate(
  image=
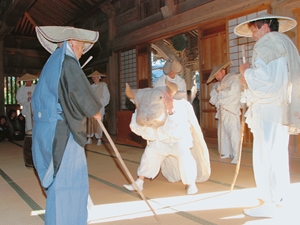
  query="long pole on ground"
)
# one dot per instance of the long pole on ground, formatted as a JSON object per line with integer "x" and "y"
{"x": 242, "y": 130}
{"x": 125, "y": 167}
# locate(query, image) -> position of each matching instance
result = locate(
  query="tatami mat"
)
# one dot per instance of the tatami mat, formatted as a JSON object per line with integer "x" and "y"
{"x": 23, "y": 201}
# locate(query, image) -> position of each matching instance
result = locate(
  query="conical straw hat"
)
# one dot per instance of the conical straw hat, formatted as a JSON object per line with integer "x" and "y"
{"x": 216, "y": 69}
{"x": 285, "y": 24}
{"x": 28, "y": 77}
{"x": 172, "y": 64}
{"x": 50, "y": 36}
{"x": 96, "y": 74}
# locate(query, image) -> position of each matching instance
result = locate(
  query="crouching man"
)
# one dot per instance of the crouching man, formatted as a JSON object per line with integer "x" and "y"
{"x": 175, "y": 141}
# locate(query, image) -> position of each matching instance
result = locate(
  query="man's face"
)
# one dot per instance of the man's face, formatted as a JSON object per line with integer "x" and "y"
{"x": 77, "y": 47}
{"x": 96, "y": 79}
{"x": 220, "y": 75}
{"x": 172, "y": 74}
{"x": 28, "y": 83}
{"x": 258, "y": 33}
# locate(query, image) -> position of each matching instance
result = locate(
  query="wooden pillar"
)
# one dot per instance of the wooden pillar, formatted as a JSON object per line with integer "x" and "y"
{"x": 113, "y": 72}
{"x": 1, "y": 80}
{"x": 113, "y": 84}
{"x": 296, "y": 11}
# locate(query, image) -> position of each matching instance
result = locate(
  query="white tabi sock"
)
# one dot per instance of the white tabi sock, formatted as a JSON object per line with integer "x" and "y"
{"x": 265, "y": 210}
{"x": 138, "y": 182}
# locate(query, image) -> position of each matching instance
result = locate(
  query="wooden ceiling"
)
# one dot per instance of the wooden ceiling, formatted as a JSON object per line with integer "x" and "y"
{"x": 19, "y": 17}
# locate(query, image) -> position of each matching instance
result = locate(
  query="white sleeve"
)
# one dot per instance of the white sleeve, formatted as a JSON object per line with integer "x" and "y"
{"x": 148, "y": 133}
{"x": 266, "y": 81}
{"x": 105, "y": 96}
{"x": 214, "y": 95}
{"x": 22, "y": 97}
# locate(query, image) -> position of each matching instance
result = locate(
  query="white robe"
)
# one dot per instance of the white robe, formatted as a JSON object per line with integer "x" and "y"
{"x": 266, "y": 95}
{"x": 22, "y": 97}
{"x": 103, "y": 95}
{"x": 161, "y": 82}
{"x": 177, "y": 147}
{"x": 227, "y": 98}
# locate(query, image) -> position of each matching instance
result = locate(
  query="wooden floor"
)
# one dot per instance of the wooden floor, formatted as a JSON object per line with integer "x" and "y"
{"x": 22, "y": 200}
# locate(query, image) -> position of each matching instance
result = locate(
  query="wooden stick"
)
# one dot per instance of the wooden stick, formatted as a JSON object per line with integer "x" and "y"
{"x": 86, "y": 62}
{"x": 237, "y": 168}
{"x": 220, "y": 130}
{"x": 125, "y": 167}
{"x": 242, "y": 130}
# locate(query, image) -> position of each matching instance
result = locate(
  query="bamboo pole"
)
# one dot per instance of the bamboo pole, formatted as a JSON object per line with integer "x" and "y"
{"x": 125, "y": 168}
{"x": 220, "y": 130}
{"x": 242, "y": 130}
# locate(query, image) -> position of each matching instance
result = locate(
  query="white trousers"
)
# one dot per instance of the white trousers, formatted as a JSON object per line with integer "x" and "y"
{"x": 228, "y": 134}
{"x": 271, "y": 161}
{"x": 93, "y": 128}
{"x": 156, "y": 152}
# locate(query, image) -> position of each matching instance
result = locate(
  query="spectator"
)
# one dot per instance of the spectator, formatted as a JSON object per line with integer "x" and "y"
{"x": 171, "y": 70}
{"x": 22, "y": 122}
{"x": 24, "y": 95}
{"x": 14, "y": 126}
{"x": 4, "y": 129}
{"x": 102, "y": 93}
{"x": 225, "y": 95}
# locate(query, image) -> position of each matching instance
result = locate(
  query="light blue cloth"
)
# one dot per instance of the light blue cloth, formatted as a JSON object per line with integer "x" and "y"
{"x": 67, "y": 192}
{"x": 67, "y": 196}
{"x": 46, "y": 113}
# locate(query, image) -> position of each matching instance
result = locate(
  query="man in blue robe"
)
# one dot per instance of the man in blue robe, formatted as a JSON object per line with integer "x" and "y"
{"x": 62, "y": 101}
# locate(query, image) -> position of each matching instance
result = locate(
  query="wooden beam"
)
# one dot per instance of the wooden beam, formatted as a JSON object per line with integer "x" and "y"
{"x": 183, "y": 22}
{"x": 26, "y": 52}
{"x": 17, "y": 72}
{"x": 11, "y": 13}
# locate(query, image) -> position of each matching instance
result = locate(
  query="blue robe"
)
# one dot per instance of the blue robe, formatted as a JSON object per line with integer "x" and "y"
{"x": 61, "y": 102}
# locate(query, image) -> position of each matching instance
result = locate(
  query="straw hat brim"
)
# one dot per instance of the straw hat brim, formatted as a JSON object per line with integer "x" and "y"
{"x": 50, "y": 36}
{"x": 28, "y": 77}
{"x": 96, "y": 74}
{"x": 285, "y": 24}
{"x": 216, "y": 69}
{"x": 172, "y": 64}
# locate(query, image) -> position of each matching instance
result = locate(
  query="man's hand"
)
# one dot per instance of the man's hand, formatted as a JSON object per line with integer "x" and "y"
{"x": 97, "y": 116}
{"x": 243, "y": 81}
{"x": 243, "y": 67}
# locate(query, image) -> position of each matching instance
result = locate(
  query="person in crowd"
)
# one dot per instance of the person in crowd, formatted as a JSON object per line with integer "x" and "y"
{"x": 4, "y": 129}
{"x": 171, "y": 69}
{"x": 22, "y": 122}
{"x": 225, "y": 95}
{"x": 14, "y": 126}
{"x": 101, "y": 91}
{"x": 272, "y": 94}
{"x": 61, "y": 103}
{"x": 24, "y": 95}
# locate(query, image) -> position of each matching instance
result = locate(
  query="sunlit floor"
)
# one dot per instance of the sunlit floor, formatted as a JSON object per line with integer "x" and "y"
{"x": 22, "y": 200}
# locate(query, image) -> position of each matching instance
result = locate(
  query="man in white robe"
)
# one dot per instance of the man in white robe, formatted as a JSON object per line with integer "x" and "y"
{"x": 272, "y": 83}
{"x": 177, "y": 146}
{"x": 102, "y": 93}
{"x": 24, "y": 95}
{"x": 171, "y": 69}
{"x": 225, "y": 96}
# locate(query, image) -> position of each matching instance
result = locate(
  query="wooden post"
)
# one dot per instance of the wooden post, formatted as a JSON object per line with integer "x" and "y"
{"x": 296, "y": 11}
{"x": 2, "y": 111}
